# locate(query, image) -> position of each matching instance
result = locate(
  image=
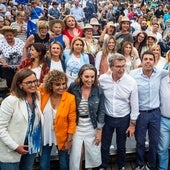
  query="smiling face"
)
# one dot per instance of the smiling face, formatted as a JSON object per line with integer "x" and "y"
{"x": 156, "y": 51}
{"x": 29, "y": 84}
{"x": 43, "y": 31}
{"x": 57, "y": 28}
{"x": 125, "y": 26}
{"x": 88, "y": 78}
{"x": 55, "y": 50}
{"x": 9, "y": 36}
{"x": 59, "y": 87}
{"x": 78, "y": 46}
{"x": 88, "y": 32}
{"x": 111, "y": 44}
{"x": 141, "y": 37}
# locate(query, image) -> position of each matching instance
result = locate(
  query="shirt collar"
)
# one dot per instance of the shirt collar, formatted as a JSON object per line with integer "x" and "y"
{"x": 154, "y": 70}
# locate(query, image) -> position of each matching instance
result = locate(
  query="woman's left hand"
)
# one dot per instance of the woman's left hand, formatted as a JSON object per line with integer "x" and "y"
{"x": 67, "y": 145}
{"x": 98, "y": 137}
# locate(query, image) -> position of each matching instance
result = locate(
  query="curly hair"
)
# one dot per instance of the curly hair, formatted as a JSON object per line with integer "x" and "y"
{"x": 52, "y": 77}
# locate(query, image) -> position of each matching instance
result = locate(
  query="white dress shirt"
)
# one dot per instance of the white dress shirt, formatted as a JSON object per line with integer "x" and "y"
{"x": 121, "y": 97}
{"x": 165, "y": 97}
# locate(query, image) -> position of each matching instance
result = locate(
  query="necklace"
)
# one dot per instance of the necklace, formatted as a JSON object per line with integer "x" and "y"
{"x": 55, "y": 101}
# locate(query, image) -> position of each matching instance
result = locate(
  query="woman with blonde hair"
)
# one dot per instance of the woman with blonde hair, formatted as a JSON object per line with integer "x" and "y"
{"x": 101, "y": 61}
{"x": 72, "y": 30}
{"x": 159, "y": 60}
{"x": 55, "y": 59}
{"x": 42, "y": 36}
{"x": 75, "y": 58}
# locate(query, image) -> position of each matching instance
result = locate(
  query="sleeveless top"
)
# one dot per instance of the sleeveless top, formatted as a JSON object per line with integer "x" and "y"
{"x": 59, "y": 39}
{"x": 103, "y": 65}
{"x": 44, "y": 41}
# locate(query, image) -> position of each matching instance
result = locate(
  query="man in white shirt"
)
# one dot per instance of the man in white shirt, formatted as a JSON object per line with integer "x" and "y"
{"x": 121, "y": 102}
{"x": 164, "y": 138}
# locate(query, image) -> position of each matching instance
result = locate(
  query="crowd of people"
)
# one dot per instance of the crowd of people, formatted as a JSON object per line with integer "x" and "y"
{"x": 74, "y": 72}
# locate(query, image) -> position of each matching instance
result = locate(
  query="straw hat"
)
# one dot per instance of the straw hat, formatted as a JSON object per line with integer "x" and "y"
{"x": 87, "y": 26}
{"x": 52, "y": 22}
{"x": 152, "y": 35}
{"x": 8, "y": 29}
{"x": 125, "y": 19}
{"x": 110, "y": 23}
{"x": 94, "y": 21}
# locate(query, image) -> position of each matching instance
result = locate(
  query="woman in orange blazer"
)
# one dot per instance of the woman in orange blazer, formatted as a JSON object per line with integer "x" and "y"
{"x": 59, "y": 125}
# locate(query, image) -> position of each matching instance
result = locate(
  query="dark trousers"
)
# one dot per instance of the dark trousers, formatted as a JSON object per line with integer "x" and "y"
{"x": 121, "y": 125}
{"x": 147, "y": 121}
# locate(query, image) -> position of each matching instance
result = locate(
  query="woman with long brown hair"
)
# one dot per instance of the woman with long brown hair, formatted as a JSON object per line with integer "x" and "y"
{"x": 75, "y": 58}
{"x": 37, "y": 61}
{"x": 101, "y": 61}
{"x": 72, "y": 30}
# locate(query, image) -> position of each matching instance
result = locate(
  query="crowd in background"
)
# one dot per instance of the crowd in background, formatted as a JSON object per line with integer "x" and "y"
{"x": 59, "y": 46}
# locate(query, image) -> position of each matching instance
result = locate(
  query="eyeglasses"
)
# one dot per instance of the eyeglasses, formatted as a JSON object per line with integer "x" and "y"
{"x": 141, "y": 36}
{"x": 30, "y": 83}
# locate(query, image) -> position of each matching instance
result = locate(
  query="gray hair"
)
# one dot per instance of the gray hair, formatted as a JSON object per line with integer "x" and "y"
{"x": 114, "y": 57}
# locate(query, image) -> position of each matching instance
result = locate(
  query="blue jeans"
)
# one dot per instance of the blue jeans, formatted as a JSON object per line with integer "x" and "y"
{"x": 45, "y": 157}
{"x": 164, "y": 142}
{"x": 121, "y": 125}
{"x": 147, "y": 121}
{"x": 9, "y": 166}
{"x": 63, "y": 160}
{"x": 27, "y": 162}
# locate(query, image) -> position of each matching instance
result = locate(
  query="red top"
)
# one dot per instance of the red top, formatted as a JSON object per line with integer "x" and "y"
{"x": 70, "y": 37}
